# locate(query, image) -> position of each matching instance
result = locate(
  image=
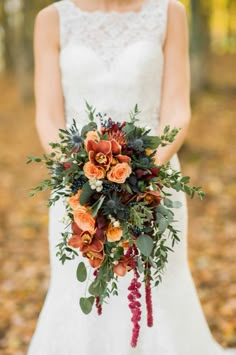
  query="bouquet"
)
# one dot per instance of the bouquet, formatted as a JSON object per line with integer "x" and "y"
{"x": 119, "y": 214}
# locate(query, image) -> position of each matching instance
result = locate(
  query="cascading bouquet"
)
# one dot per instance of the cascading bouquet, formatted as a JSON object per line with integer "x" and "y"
{"x": 119, "y": 214}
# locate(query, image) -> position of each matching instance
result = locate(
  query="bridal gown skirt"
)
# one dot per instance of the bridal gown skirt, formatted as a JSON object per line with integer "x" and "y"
{"x": 179, "y": 326}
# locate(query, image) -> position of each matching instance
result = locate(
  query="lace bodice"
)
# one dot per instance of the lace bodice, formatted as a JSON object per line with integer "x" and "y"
{"x": 113, "y": 60}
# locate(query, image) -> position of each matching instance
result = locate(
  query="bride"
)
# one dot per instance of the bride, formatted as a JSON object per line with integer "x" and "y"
{"x": 114, "y": 54}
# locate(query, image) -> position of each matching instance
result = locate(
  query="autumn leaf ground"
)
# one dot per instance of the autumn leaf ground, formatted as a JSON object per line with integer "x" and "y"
{"x": 208, "y": 156}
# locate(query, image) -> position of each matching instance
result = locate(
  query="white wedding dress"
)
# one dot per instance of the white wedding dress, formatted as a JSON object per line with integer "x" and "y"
{"x": 115, "y": 60}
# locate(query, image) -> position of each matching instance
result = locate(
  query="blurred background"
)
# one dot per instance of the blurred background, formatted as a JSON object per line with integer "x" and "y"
{"x": 208, "y": 155}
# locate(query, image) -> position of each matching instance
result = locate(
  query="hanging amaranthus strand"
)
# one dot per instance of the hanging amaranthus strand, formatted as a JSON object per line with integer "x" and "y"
{"x": 134, "y": 295}
{"x": 97, "y": 298}
{"x": 148, "y": 297}
{"x": 98, "y": 305}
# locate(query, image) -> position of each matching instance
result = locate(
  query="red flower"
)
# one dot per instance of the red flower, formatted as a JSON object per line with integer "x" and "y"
{"x": 145, "y": 175}
{"x": 67, "y": 165}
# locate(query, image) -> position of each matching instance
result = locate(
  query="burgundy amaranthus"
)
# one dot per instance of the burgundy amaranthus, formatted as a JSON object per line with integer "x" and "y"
{"x": 148, "y": 297}
{"x": 97, "y": 298}
{"x": 134, "y": 295}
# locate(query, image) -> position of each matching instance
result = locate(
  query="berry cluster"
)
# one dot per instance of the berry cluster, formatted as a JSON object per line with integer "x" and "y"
{"x": 136, "y": 230}
{"x": 108, "y": 187}
{"x": 78, "y": 184}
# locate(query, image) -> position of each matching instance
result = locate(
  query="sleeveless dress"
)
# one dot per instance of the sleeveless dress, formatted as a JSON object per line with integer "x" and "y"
{"x": 115, "y": 60}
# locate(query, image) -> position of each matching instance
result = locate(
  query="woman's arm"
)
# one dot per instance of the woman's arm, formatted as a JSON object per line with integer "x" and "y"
{"x": 175, "y": 107}
{"x": 47, "y": 81}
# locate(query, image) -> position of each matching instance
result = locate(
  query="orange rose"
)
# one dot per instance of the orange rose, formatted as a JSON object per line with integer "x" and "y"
{"x": 114, "y": 234}
{"x": 93, "y": 171}
{"x": 91, "y": 135}
{"x": 125, "y": 244}
{"x": 74, "y": 201}
{"x": 84, "y": 219}
{"x": 119, "y": 173}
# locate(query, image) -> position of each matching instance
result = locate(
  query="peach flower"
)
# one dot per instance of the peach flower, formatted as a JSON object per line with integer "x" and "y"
{"x": 84, "y": 220}
{"x": 125, "y": 244}
{"x": 114, "y": 234}
{"x": 93, "y": 135}
{"x": 93, "y": 171}
{"x": 74, "y": 201}
{"x": 119, "y": 173}
{"x": 95, "y": 258}
{"x": 122, "y": 266}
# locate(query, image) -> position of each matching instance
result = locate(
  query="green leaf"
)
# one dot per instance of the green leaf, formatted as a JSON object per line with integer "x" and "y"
{"x": 86, "y": 193}
{"x": 177, "y": 204}
{"x": 81, "y": 272}
{"x": 153, "y": 142}
{"x": 166, "y": 129}
{"x": 86, "y": 304}
{"x": 185, "y": 179}
{"x": 140, "y": 265}
{"x": 168, "y": 203}
{"x": 187, "y": 190}
{"x": 159, "y": 216}
{"x": 97, "y": 288}
{"x": 128, "y": 128}
{"x": 127, "y": 188}
{"x": 172, "y": 204}
{"x": 145, "y": 244}
{"x": 163, "y": 224}
{"x": 97, "y": 205}
{"x": 89, "y": 127}
{"x": 162, "y": 210}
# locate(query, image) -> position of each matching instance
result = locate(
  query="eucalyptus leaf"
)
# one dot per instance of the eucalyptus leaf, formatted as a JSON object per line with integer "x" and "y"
{"x": 145, "y": 244}
{"x": 140, "y": 265}
{"x": 177, "y": 204}
{"x": 86, "y": 304}
{"x": 168, "y": 203}
{"x": 162, "y": 210}
{"x": 163, "y": 224}
{"x": 153, "y": 142}
{"x": 81, "y": 272}
{"x": 85, "y": 194}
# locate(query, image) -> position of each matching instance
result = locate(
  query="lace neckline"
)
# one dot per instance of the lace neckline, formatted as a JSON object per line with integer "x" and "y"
{"x": 144, "y": 6}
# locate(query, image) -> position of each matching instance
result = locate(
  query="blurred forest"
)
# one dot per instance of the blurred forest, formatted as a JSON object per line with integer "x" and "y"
{"x": 208, "y": 155}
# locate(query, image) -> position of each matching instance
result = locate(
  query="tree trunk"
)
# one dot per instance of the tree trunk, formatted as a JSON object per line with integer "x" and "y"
{"x": 199, "y": 44}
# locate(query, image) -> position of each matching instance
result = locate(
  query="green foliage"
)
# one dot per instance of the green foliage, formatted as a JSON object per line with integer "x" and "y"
{"x": 81, "y": 272}
{"x": 86, "y": 304}
{"x": 86, "y": 194}
{"x": 145, "y": 244}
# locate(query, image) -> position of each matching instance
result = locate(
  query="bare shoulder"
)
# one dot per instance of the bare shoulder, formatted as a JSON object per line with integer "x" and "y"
{"x": 47, "y": 24}
{"x": 176, "y": 12}
{"x": 177, "y": 23}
